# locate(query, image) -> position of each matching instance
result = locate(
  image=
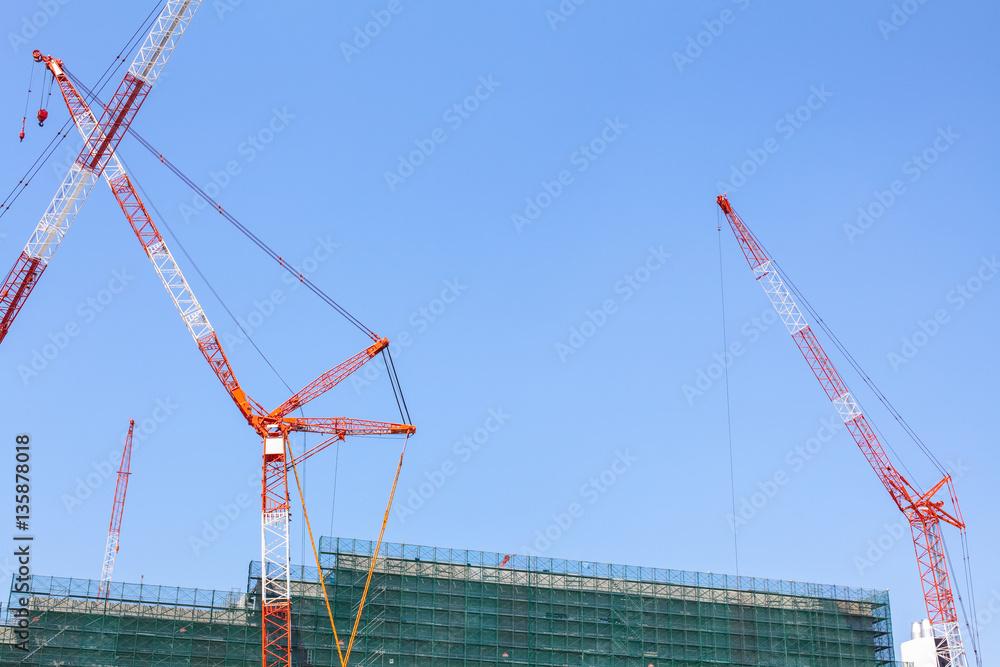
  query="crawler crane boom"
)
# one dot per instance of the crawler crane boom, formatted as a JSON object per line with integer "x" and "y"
{"x": 101, "y": 138}
{"x": 923, "y": 513}
{"x": 117, "y": 509}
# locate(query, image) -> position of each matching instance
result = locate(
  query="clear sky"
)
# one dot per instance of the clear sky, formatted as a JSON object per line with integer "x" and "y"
{"x": 521, "y": 195}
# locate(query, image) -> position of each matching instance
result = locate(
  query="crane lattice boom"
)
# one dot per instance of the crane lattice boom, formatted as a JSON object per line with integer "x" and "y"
{"x": 922, "y": 512}
{"x": 101, "y": 137}
{"x": 117, "y": 509}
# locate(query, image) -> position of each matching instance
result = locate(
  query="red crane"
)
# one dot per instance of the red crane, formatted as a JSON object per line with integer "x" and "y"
{"x": 273, "y": 427}
{"x": 101, "y": 138}
{"x": 923, "y": 513}
{"x": 117, "y": 508}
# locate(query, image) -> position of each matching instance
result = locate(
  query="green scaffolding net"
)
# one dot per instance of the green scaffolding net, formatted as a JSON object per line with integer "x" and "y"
{"x": 435, "y": 607}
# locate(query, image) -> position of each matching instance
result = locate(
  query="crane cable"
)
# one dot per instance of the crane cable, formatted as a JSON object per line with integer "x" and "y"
{"x": 239, "y": 225}
{"x": 866, "y": 378}
{"x": 729, "y": 414}
{"x": 397, "y": 388}
{"x": 371, "y": 569}
{"x": 971, "y": 621}
{"x": 319, "y": 568}
{"x": 257, "y": 241}
{"x": 198, "y": 270}
{"x": 27, "y": 100}
{"x": 378, "y": 546}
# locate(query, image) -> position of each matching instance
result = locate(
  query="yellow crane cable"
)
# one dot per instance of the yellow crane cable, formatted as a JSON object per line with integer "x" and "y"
{"x": 322, "y": 582}
{"x": 371, "y": 568}
{"x": 378, "y": 545}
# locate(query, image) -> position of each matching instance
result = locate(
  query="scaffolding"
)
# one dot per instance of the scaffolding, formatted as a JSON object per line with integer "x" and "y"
{"x": 435, "y": 607}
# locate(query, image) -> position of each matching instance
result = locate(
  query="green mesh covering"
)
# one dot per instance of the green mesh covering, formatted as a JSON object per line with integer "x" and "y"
{"x": 449, "y": 608}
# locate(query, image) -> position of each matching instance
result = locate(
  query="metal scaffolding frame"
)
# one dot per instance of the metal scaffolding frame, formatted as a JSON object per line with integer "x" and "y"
{"x": 448, "y": 607}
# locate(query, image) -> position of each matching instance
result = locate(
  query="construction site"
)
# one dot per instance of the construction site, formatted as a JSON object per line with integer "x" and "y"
{"x": 450, "y": 607}
{"x": 307, "y": 599}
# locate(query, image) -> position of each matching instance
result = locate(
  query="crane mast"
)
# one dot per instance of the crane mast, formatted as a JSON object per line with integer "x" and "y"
{"x": 117, "y": 508}
{"x": 922, "y": 512}
{"x": 101, "y": 138}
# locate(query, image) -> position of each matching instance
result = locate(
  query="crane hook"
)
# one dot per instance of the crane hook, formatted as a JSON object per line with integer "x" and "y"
{"x": 21, "y": 135}
{"x": 42, "y": 115}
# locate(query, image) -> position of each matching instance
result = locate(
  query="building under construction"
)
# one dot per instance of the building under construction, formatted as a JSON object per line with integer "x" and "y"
{"x": 448, "y": 607}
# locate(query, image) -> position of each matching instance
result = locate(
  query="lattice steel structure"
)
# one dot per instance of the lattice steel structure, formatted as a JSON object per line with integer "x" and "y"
{"x": 448, "y": 608}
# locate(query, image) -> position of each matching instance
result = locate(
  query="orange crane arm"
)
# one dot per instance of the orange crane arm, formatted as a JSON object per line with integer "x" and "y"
{"x": 329, "y": 380}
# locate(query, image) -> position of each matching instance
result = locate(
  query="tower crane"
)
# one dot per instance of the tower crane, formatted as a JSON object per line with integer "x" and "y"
{"x": 924, "y": 514}
{"x": 117, "y": 508}
{"x": 101, "y": 138}
{"x": 273, "y": 427}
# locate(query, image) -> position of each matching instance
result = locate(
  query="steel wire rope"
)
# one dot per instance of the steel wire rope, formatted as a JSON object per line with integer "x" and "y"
{"x": 256, "y": 240}
{"x": 729, "y": 415}
{"x": 198, "y": 270}
{"x": 319, "y": 568}
{"x": 971, "y": 622}
{"x": 378, "y": 547}
{"x": 866, "y": 378}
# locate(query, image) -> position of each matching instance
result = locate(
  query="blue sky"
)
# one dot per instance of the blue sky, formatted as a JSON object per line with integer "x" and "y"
{"x": 477, "y": 182}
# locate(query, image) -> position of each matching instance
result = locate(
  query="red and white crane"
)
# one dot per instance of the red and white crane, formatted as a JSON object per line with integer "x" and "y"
{"x": 117, "y": 509}
{"x": 101, "y": 138}
{"x": 274, "y": 426}
{"x": 923, "y": 513}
